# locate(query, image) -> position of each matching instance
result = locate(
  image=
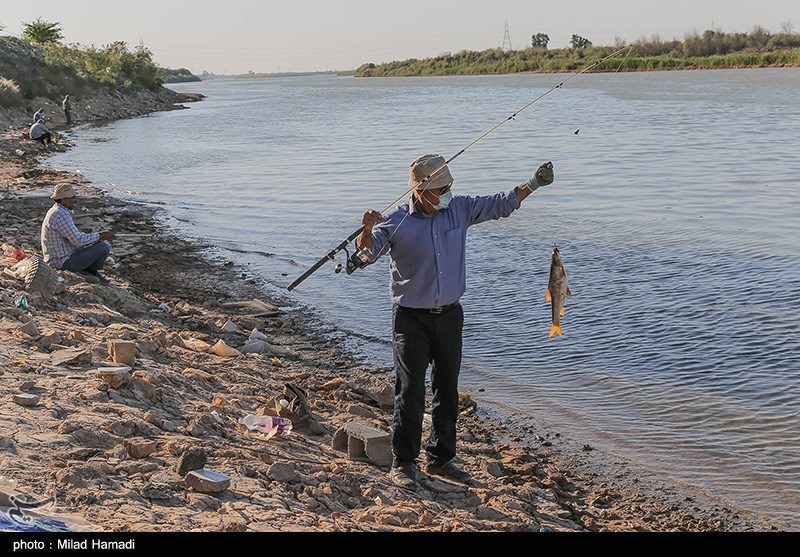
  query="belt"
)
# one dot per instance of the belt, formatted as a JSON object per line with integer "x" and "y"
{"x": 436, "y": 310}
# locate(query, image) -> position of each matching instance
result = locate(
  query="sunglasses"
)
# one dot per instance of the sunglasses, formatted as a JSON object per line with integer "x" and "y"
{"x": 440, "y": 191}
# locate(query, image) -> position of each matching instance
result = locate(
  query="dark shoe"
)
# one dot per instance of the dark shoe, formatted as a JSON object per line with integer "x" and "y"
{"x": 404, "y": 476}
{"x": 88, "y": 277}
{"x": 449, "y": 470}
{"x": 101, "y": 278}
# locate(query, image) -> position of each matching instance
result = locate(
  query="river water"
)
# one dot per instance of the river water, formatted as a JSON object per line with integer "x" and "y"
{"x": 676, "y": 208}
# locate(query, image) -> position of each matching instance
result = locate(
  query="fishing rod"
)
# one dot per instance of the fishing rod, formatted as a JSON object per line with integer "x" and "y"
{"x": 361, "y": 258}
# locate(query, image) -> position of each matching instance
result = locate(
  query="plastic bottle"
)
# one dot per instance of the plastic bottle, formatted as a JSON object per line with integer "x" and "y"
{"x": 271, "y": 425}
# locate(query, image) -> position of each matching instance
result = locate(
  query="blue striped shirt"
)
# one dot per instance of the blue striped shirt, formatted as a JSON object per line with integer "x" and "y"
{"x": 428, "y": 252}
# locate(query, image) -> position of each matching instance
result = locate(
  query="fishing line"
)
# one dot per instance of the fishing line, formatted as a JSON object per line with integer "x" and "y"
{"x": 602, "y": 92}
{"x": 427, "y": 180}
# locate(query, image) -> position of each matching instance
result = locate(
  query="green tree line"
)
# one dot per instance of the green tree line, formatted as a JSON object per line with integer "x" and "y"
{"x": 40, "y": 65}
{"x": 711, "y": 49}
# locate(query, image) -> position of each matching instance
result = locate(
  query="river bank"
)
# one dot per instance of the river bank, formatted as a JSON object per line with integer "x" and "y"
{"x": 108, "y": 449}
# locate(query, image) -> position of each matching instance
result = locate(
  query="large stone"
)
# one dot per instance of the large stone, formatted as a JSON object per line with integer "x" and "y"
{"x": 49, "y": 339}
{"x": 148, "y": 390}
{"x": 115, "y": 376}
{"x": 139, "y": 448}
{"x": 71, "y": 356}
{"x": 282, "y": 472}
{"x": 122, "y": 351}
{"x": 206, "y": 481}
{"x": 30, "y": 329}
{"x": 192, "y": 459}
{"x": 26, "y": 399}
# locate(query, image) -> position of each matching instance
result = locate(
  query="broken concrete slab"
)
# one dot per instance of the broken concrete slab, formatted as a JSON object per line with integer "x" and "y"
{"x": 206, "y": 481}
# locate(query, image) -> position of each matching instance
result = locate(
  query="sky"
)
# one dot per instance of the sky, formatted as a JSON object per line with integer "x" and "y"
{"x": 268, "y": 36}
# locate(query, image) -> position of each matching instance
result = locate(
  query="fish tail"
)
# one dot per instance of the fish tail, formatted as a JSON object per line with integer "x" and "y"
{"x": 555, "y": 329}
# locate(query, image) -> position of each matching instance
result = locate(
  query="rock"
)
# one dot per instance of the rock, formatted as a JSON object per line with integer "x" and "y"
{"x": 194, "y": 373}
{"x": 122, "y": 351}
{"x": 192, "y": 459}
{"x": 48, "y": 340}
{"x": 152, "y": 418}
{"x": 71, "y": 356}
{"x": 196, "y": 345}
{"x": 384, "y": 397}
{"x": 206, "y": 481}
{"x": 358, "y": 410}
{"x": 223, "y": 350}
{"x": 255, "y": 346}
{"x": 26, "y": 399}
{"x": 156, "y": 492}
{"x": 115, "y": 376}
{"x": 492, "y": 467}
{"x": 203, "y": 502}
{"x": 282, "y": 472}
{"x": 230, "y": 327}
{"x": 139, "y": 448}
{"x": 30, "y": 329}
{"x": 75, "y": 334}
{"x": 140, "y": 385}
{"x": 27, "y": 385}
{"x": 87, "y": 437}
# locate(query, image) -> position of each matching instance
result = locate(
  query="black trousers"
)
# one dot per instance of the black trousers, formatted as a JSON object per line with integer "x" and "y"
{"x": 420, "y": 338}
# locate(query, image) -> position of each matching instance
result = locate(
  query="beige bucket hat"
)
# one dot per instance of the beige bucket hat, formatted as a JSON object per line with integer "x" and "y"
{"x": 63, "y": 190}
{"x": 425, "y": 166}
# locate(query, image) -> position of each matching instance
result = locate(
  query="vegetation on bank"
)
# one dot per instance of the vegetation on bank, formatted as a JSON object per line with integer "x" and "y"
{"x": 712, "y": 49}
{"x": 38, "y": 65}
{"x": 181, "y": 75}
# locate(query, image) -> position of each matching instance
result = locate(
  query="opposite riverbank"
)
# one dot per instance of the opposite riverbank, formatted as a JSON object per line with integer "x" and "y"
{"x": 108, "y": 445}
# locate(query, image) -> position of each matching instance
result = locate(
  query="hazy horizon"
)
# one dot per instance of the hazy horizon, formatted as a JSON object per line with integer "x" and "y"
{"x": 239, "y": 36}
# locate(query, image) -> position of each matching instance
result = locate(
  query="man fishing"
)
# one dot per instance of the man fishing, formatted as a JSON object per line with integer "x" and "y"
{"x": 426, "y": 240}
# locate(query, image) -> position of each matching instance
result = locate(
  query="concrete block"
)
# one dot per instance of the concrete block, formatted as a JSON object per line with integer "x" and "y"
{"x": 362, "y": 442}
{"x": 122, "y": 351}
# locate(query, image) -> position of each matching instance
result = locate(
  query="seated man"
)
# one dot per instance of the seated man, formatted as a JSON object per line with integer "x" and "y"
{"x": 39, "y": 132}
{"x": 66, "y": 247}
{"x": 39, "y": 116}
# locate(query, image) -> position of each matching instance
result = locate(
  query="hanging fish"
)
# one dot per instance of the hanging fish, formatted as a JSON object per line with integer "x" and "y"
{"x": 557, "y": 291}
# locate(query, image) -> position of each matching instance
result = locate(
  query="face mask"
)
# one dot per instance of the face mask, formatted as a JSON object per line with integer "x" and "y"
{"x": 444, "y": 201}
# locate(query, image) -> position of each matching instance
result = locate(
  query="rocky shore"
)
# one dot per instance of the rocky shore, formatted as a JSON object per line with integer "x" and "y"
{"x": 122, "y": 403}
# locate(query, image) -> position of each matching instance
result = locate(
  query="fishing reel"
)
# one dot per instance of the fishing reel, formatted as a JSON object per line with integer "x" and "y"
{"x": 358, "y": 260}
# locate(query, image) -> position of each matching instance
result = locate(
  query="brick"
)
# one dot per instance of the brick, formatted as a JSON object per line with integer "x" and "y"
{"x": 122, "y": 351}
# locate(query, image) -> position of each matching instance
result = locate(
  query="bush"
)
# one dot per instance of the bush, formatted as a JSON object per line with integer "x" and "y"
{"x": 9, "y": 93}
